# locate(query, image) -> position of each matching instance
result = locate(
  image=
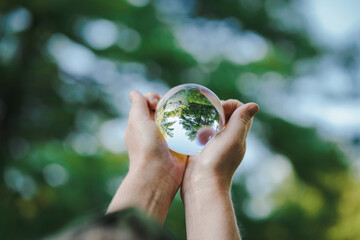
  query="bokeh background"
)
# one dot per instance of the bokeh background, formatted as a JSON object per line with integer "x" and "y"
{"x": 66, "y": 68}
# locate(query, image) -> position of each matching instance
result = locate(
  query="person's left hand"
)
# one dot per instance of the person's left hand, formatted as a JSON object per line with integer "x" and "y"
{"x": 155, "y": 171}
{"x": 146, "y": 145}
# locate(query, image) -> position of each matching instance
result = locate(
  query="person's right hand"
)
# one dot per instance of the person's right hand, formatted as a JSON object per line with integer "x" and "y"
{"x": 215, "y": 165}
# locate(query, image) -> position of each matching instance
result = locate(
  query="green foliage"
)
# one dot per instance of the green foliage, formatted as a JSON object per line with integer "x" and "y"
{"x": 38, "y": 124}
{"x": 191, "y": 109}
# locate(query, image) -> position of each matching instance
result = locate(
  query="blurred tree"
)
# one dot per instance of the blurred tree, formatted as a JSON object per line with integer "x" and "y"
{"x": 53, "y": 169}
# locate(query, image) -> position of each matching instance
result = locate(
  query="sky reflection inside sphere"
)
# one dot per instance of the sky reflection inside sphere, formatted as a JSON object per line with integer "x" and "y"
{"x": 188, "y": 116}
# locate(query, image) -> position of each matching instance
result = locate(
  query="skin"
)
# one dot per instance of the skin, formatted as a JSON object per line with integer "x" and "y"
{"x": 156, "y": 173}
{"x": 207, "y": 179}
{"x": 205, "y": 134}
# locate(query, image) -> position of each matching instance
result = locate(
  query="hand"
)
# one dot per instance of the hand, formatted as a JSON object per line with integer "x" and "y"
{"x": 155, "y": 172}
{"x": 147, "y": 148}
{"x": 215, "y": 165}
{"x": 206, "y": 184}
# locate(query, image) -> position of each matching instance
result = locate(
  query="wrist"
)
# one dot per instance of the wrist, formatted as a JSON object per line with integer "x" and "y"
{"x": 156, "y": 178}
{"x": 205, "y": 185}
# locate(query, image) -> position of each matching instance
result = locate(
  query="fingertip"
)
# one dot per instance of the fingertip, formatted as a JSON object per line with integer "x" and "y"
{"x": 154, "y": 100}
{"x": 139, "y": 105}
{"x": 153, "y": 103}
{"x": 253, "y": 108}
{"x": 131, "y": 95}
{"x": 244, "y": 113}
{"x": 134, "y": 94}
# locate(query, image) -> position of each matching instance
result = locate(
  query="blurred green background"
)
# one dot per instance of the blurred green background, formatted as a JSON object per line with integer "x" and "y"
{"x": 66, "y": 68}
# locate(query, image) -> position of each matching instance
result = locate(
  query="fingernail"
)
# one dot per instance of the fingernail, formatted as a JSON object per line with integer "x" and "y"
{"x": 154, "y": 101}
{"x": 253, "y": 109}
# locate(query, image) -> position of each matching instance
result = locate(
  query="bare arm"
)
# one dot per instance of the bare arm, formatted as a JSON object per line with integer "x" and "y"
{"x": 210, "y": 215}
{"x": 155, "y": 173}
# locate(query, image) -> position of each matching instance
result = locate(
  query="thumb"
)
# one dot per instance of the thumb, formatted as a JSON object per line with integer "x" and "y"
{"x": 139, "y": 106}
{"x": 240, "y": 122}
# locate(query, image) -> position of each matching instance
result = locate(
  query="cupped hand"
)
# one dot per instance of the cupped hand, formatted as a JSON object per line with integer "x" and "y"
{"x": 148, "y": 151}
{"x": 155, "y": 173}
{"x": 215, "y": 165}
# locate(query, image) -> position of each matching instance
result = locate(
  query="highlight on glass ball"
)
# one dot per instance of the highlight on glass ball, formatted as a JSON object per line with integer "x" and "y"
{"x": 188, "y": 116}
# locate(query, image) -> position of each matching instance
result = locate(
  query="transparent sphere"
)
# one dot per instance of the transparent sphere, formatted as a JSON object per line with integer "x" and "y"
{"x": 188, "y": 116}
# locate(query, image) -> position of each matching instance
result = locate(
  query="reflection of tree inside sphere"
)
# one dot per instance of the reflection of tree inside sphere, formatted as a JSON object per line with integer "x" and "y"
{"x": 188, "y": 116}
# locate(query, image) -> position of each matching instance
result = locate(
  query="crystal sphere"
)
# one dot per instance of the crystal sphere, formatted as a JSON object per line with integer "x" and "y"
{"x": 188, "y": 116}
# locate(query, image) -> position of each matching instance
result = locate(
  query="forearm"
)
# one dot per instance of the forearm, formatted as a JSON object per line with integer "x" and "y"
{"x": 210, "y": 215}
{"x": 152, "y": 197}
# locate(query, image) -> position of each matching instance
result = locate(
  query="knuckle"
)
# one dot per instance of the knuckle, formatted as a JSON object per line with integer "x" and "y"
{"x": 236, "y": 103}
{"x": 244, "y": 119}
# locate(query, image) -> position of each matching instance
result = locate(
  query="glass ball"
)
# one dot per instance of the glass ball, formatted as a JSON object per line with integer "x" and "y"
{"x": 188, "y": 116}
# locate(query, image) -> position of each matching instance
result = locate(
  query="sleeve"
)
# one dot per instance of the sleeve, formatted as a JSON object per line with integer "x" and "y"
{"x": 128, "y": 224}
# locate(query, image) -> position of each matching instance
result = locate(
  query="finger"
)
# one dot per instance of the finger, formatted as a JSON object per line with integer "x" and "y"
{"x": 152, "y": 99}
{"x": 229, "y": 107}
{"x": 139, "y": 106}
{"x": 240, "y": 122}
